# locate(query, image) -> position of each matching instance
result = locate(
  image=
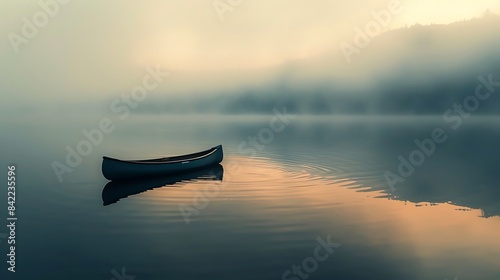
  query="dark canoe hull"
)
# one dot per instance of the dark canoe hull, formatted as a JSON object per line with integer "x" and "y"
{"x": 115, "y": 169}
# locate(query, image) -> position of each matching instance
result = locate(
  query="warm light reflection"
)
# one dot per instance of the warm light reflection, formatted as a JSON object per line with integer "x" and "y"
{"x": 271, "y": 187}
{"x": 283, "y": 199}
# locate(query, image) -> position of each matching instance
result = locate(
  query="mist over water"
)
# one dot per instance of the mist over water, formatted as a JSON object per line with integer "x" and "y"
{"x": 419, "y": 70}
{"x": 378, "y": 165}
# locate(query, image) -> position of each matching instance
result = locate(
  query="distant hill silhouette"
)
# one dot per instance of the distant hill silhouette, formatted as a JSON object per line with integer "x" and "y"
{"x": 412, "y": 70}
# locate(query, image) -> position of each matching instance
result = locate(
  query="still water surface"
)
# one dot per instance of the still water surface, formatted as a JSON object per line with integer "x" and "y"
{"x": 321, "y": 177}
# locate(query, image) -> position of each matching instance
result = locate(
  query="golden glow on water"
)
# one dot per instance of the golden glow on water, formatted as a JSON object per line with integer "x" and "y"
{"x": 288, "y": 198}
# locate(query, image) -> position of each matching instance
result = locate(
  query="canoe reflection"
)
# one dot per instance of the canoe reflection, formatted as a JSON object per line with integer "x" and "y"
{"x": 116, "y": 190}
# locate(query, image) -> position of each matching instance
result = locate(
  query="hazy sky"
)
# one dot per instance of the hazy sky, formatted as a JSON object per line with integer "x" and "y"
{"x": 92, "y": 47}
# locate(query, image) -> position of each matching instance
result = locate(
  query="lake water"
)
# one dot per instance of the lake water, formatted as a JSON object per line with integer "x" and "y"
{"x": 270, "y": 212}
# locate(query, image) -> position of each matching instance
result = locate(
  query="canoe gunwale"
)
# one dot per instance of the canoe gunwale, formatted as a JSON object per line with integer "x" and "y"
{"x": 165, "y": 160}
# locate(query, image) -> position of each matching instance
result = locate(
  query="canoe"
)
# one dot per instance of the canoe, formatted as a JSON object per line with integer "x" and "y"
{"x": 116, "y": 190}
{"x": 116, "y": 169}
